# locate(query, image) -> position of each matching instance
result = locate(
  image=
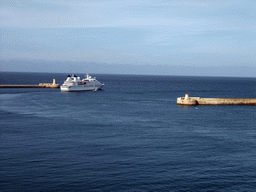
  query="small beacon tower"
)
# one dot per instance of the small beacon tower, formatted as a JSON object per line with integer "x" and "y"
{"x": 186, "y": 100}
{"x": 186, "y": 96}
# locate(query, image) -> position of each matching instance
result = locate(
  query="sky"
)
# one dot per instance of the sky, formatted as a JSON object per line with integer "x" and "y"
{"x": 163, "y": 37}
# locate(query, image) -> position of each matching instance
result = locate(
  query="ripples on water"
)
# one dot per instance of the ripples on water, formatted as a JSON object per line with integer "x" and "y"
{"x": 131, "y": 136}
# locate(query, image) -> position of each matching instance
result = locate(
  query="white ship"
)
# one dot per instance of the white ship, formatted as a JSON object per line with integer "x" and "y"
{"x": 74, "y": 83}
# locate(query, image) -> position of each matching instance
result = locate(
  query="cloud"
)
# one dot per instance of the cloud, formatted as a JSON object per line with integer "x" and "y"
{"x": 78, "y": 13}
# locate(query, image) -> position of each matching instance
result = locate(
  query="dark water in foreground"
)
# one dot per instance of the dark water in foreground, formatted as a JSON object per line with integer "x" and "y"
{"x": 131, "y": 136}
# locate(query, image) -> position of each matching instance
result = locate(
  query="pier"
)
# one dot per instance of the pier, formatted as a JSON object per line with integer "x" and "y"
{"x": 41, "y": 85}
{"x": 214, "y": 101}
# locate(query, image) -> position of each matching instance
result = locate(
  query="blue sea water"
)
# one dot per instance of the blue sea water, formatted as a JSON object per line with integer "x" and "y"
{"x": 130, "y": 136}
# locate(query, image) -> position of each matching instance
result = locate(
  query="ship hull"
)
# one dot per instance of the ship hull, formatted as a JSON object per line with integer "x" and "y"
{"x": 80, "y": 88}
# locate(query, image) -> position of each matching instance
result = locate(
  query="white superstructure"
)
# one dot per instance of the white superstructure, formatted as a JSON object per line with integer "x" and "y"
{"x": 74, "y": 83}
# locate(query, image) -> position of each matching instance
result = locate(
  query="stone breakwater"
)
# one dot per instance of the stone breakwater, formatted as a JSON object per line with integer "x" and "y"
{"x": 41, "y": 85}
{"x": 214, "y": 101}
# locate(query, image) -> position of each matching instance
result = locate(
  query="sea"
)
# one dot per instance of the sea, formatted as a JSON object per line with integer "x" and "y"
{"x": 129, "y": 136}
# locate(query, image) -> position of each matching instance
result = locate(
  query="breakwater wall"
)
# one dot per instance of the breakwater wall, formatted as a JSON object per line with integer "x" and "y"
{"x": 214, "y": 101}
{"x": 41, "y": 85}
{"x": 21, "y": 86}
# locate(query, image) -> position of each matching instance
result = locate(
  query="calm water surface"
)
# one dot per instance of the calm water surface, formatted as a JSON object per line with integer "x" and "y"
{"x": 130, "y": 136}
